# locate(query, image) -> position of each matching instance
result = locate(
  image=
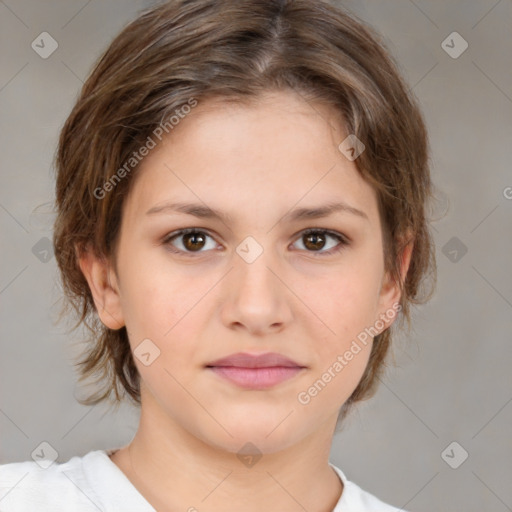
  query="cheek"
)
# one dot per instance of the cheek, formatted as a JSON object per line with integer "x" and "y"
{"x": 340, "y": 357}
{"x": 170, "y": 312}
{"x": 168, "y": 316}
{"x": 156, "y": 295}
{"x": 347, "y": 302}
{"x": 329, "y": 388}
{"x": 347, "y": 306}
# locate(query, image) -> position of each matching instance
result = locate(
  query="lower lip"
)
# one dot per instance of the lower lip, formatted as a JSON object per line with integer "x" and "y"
{"x": 256, "y": 378}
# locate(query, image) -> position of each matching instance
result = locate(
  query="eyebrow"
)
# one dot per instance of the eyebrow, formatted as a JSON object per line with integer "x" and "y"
{"x": 205, "y": 212}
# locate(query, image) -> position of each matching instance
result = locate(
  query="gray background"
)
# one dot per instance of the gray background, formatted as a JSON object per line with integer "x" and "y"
{"x": 452, "y": 380}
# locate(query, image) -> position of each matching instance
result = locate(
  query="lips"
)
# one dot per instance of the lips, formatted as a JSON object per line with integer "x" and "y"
{"x": 245, "y": 360}
{"x": 256, "y": 372}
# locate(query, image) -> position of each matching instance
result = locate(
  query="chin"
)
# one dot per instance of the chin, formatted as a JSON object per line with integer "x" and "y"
{"x": 253, "y": 443}
{"x": 255, "y": 433}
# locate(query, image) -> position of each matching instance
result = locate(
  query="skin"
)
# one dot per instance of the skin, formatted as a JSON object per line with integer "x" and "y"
{"x": 255, "y": 163}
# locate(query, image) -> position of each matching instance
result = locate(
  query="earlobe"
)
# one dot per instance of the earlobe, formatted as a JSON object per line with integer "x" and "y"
{"x": 103, "y": 285}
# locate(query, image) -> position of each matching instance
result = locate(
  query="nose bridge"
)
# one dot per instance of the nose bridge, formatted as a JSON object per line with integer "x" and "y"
{"x": 256, "y": 298}
{"x": 253, "y": 264}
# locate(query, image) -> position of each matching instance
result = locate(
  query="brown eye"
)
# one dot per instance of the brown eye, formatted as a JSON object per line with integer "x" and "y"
{"x": 189, "y": 241}
{"x": 193, "y": 241}
{"x": 315, "y": 240}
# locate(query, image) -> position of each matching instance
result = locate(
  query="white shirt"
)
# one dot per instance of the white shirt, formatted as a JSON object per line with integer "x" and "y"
{"x": 93, "y": 483}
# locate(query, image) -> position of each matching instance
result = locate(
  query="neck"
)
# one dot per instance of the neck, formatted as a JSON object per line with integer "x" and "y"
{"x": 175, "y": 470}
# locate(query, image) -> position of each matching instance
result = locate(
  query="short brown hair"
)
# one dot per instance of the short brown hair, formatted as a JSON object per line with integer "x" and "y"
{"x": 235, "y": 50}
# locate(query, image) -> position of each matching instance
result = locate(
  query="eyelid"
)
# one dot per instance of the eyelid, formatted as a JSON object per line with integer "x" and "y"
{"x": 184, "y": 231}
{"x": 343, "y": 240}
{"x": 335, "y": 234}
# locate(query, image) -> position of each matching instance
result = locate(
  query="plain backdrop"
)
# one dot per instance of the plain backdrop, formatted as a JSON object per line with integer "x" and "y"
{"x": 452, "y": 381}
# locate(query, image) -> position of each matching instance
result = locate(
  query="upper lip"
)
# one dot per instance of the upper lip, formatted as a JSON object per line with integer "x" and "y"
{"x": 245, "y": 360}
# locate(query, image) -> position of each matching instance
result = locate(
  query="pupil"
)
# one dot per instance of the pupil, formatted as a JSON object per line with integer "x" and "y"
{"x": 317, "y": 241}
{"x": 191, "y": 239}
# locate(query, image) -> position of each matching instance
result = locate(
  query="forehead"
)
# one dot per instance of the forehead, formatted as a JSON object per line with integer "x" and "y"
{"x": 272, "y": 154}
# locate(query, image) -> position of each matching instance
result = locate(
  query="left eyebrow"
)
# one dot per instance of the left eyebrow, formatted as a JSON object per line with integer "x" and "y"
{"x": 205, "y": 212}
{"x": 324, "y": 211}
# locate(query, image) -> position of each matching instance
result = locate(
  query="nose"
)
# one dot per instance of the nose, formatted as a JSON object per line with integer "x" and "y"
{"x": 256, "y": 298}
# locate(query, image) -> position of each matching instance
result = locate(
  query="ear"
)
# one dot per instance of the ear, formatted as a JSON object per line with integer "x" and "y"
{"x": 390, "y": 293}
{"x": 104, "y": 288}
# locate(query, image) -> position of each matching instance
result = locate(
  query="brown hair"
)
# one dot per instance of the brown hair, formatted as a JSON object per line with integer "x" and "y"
{"x": 235, "y": 50}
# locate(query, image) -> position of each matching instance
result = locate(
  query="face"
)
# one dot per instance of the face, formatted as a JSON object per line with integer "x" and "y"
{"x": 250, "y": 279}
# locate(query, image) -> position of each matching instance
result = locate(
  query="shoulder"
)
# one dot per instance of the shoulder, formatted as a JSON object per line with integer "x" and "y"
{"x": 355, "y": 499}
{"x": 46, "y": 486}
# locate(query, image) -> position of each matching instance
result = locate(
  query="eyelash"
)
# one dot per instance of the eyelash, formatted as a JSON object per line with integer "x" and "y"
{"x": 343, "y": 241}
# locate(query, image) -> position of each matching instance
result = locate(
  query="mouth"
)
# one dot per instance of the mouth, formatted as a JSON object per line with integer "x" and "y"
{"x": 255, "y": 371}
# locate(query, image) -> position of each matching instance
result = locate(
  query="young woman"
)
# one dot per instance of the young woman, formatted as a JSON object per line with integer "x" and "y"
{"x": 241, "y": 192}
